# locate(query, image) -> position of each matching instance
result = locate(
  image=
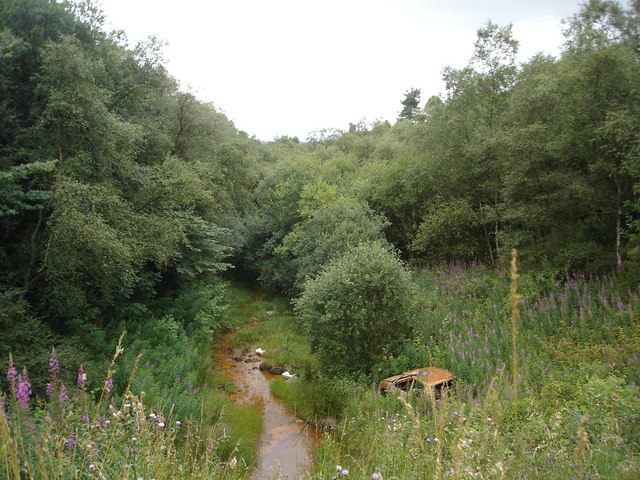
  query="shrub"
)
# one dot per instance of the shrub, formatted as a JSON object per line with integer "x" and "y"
{"x": 358, "y": 310}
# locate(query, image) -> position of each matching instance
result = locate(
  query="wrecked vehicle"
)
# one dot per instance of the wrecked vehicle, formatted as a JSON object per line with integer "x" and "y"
{"x": 422, "y": 378}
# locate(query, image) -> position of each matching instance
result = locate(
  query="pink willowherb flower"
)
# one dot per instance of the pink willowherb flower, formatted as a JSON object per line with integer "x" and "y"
{"x": 63, "y": 394}
{"x": 54, "y": 366}
{"x": 23, "y": 390}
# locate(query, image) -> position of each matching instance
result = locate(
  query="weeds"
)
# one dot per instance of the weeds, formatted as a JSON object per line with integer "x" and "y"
{"x": 69, "y": 436}
{"x": 568, "y": 406}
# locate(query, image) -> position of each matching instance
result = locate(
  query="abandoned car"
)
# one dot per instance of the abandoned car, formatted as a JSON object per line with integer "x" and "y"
{"x": 422, "y": 378}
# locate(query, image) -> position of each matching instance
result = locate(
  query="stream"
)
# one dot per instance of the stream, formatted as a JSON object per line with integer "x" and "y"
{"x": 287, "y": 443}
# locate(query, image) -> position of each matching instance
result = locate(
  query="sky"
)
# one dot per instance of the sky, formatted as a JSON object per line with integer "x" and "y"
{"x": 291, "y": 67}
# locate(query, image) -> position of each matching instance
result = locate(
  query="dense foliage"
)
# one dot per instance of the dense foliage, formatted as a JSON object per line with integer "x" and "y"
{"x": 541, "y": 156}
{"x": 123, "y": 199}
{"x": 358, "y": 310}
{"x": 121, "y": 194}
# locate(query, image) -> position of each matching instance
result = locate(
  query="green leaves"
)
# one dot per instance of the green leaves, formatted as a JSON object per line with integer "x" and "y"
{"x": 358, "y": 310}
{"x": 20, "y": 187}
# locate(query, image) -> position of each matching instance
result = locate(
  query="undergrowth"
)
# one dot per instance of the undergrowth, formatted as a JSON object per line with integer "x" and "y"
{"x": 572, "y": 410}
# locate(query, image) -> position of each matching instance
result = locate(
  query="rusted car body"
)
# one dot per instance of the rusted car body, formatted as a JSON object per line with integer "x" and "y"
{"x": 427, "y": 377}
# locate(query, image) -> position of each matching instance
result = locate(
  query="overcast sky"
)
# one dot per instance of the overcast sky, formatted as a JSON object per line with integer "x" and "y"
{"x": 289, "y": 67}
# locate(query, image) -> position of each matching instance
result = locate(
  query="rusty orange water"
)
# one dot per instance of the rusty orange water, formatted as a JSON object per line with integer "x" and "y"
{"x": 287, "y": 443}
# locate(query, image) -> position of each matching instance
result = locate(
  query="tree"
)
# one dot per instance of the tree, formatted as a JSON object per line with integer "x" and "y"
{"x": 410, "y": 104}
{"x": 331, "y": 224}
{"x": 358, "y": 310}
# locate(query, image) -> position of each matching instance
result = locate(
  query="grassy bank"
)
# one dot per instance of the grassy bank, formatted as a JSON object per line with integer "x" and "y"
{"x": 159, "y": 411}
{"x": 78, "y": 433}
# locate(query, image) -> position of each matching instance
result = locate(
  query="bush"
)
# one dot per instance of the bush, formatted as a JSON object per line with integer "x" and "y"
{"x": 358, "y": 310}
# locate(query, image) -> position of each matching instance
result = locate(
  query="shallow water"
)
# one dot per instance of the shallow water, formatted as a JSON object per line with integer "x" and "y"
{"x": 287, "y": 443}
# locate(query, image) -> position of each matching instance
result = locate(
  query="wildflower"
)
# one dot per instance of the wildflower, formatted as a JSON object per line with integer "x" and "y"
{"x": 376, "y": 476}
{"x": 92, "y": 467}
{"x": 178, "y": 423}
{"x": 70, "y": 442}
{"x": 489, "y": 419}
{"x": 107, "y": 422}
{"x": 139, "y": 405}
{"x": 54, "y": 366}
{"x": 161, "y": 425}
{"x": 24, "y": 389}
{"x": 345, "y": 472}
{"x": 82, "y": 378}
{"x": 134, "y": 439}
{"x": 338, "y": 469}
{"x": 108, "y": 384}
{"x": 63, "y": 393}
{"x": 163, "y": 447}
{"x": 152, "y": 415}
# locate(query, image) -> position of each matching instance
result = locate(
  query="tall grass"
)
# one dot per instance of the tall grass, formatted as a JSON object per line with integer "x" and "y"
{"x": 68, "y": 435}
{"x": 568, "y": 406}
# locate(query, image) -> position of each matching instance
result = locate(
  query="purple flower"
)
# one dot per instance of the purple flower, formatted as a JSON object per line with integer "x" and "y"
{"x": 92, "y": 467}
{"x": 54, "y": 366}
{"x": 70, "y": 442}
{"x": 345, "y": 472}
{"x": 376, "y": 476}
{"x": 49, "y": 390}
{"x": 23, "y": 392}
{"x": 63, "y": 394}
{"x": 108, "y": 384}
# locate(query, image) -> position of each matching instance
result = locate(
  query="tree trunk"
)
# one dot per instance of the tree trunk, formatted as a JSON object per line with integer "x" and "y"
{"x": 32, "y": 253}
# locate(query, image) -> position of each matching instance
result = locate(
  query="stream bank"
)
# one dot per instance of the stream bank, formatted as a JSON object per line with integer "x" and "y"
{"x": 287, "y": 444}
